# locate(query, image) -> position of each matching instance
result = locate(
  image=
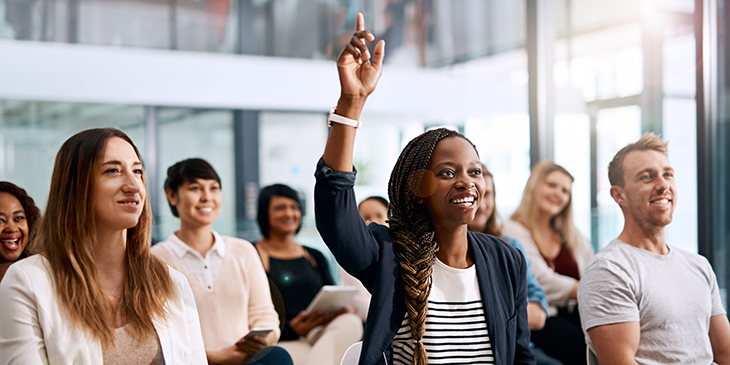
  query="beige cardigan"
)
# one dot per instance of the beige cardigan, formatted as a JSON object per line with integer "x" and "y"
{"x": 557, "y": 287}
{"x": 240, "y": 299}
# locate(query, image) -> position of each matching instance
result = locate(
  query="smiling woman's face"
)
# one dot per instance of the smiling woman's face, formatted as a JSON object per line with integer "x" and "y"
{"x": 120, "y": 192}
{"x": 285, "y": 215}
{"x": 459, "y": 185}
{"x": 13, "y": 228}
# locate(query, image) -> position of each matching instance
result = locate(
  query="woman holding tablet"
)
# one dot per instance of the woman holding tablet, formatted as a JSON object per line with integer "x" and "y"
{"x": 430, "y": 277}
{"x": 299, "y": 272}
{"x": 95, "y": 294}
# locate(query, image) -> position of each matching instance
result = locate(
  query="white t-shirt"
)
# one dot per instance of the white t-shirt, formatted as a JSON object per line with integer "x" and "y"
{"x": 672, "y": 297}
{"x": 456, "y": 329}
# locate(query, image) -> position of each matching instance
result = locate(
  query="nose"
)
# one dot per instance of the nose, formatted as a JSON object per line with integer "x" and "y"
{"x": 132, "y": 183}
{"x": 204, "y": 195}
{"x": 464, "y": 181}
{"x": 10, "y": 226}
{"x": 662, "y": 184}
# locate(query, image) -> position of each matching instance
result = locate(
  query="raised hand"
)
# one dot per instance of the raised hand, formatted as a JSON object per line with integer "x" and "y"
{"x": 358, "y": 76}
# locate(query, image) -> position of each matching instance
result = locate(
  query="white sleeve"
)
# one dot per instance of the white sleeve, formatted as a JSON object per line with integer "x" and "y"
{"x": 21, "y": 337}
{"x": 196, "y": 337}
{"x": 607, "y": 295}
{"x": 557, "y": 287}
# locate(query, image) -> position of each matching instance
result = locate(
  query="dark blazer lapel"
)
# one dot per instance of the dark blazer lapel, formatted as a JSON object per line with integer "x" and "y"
{"x": 487, "y": 291}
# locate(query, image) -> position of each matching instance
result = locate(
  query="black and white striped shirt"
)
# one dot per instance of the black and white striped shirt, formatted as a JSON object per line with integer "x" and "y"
{"x": 456, "y": 329}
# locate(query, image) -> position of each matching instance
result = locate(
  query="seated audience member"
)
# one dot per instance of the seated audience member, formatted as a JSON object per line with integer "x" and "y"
{"x": 225, "y": 273}
{"x": 299, "y": 272}
{"x": 373, "y": 209}
{"x": 642, "y": 300}
{"x": 543, "y": 223}
{"x": 95, "y": 294}
{"x": 486, "y": 220}
{"x": 18, "y": 215}
{"x": 430, "y": 277}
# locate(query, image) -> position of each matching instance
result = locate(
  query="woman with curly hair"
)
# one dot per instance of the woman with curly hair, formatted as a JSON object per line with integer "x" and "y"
{"x": 441, "y": 294}
{"x": 18, "y": 215}
{"x": 95, "y": 294}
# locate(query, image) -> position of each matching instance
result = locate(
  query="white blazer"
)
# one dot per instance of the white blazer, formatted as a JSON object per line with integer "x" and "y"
{"x": 35, "y": 330}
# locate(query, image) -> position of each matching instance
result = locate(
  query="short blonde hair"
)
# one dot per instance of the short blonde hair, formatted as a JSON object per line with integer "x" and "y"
{"x": 648, "y": 142}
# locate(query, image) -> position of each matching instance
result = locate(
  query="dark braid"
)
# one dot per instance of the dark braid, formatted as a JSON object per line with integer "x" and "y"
{"x": 412, "y": 230}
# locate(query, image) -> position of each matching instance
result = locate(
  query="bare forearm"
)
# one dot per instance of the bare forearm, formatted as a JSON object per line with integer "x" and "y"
{"x": 535, "y": 316}
{"x": 338, "y": 152}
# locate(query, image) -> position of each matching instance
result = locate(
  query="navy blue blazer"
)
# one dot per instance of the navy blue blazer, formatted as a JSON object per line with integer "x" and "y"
{"x": 367, "y": 253}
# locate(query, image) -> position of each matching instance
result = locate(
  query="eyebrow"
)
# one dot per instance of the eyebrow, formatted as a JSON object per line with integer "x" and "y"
{"x": 15, "y": 212}
{"x": 451, "y": 163}
{"x": 116, "y": 162}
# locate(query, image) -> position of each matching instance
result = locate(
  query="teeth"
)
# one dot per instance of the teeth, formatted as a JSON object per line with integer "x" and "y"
{"x": 207, "y": 210}
{"x": 131, "y": 203}
{"x": 660, "y": 201}
{"x": 464, "y": 201}
{"x": 11, "y": 244}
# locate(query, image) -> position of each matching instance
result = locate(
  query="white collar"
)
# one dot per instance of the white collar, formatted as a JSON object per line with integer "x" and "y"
{"x": 180, "y": 248}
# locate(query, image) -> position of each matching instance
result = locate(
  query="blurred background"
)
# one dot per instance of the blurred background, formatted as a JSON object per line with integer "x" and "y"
{"x": 247, "y": 85}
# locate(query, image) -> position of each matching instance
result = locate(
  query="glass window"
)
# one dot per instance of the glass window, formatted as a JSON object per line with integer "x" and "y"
{"x": 207, "y": 134}
{"x": 616, "y": 127}
{"x": 31, "y": 132}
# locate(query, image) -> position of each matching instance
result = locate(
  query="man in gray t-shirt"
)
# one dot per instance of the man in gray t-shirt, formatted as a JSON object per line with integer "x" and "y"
{"x": 641, "y": 300}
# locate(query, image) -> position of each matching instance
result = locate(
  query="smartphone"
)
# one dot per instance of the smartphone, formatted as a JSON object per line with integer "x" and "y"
{"x": 261, "y": 332}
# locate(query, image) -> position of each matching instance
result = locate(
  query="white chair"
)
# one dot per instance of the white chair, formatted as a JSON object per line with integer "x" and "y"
{"x": 592, "y": 358}
{"x": 352, "y": 354}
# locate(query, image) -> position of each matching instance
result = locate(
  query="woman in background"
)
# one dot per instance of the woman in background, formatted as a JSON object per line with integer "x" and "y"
{"x": 543, "y": 223}
{"x": 18, "y": 216}
{"x": 299, "y": 272}
{"x": 229, "y": 284}
{"x": 95, "y": 294}
{"x": 487, "y": 221}
{"x": 373, "y": 209}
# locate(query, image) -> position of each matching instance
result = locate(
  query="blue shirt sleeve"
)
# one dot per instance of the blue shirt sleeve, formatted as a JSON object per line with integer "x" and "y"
{"x": 535, "y": 292}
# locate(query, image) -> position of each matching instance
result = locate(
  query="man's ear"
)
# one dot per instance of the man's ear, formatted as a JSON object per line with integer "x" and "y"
{"x": 171, "y": 197}
{"x": 618, "y": 194}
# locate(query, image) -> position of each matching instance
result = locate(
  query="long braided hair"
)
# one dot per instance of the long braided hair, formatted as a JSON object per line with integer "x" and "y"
{"x": 412, "y": 230}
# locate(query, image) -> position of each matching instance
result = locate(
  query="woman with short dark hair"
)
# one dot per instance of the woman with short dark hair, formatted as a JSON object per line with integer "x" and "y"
{"x": 225, "y": 274}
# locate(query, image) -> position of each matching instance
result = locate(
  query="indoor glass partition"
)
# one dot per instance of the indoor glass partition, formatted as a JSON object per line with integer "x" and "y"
{"x": 31, "y": 132}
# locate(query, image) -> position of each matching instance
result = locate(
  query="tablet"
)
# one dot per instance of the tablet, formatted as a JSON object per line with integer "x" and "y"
{"x": 332, "y": 298}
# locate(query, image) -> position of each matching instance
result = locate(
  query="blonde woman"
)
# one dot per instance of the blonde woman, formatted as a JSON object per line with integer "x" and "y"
{"x": 95, "y": 294}
{"x": 543, "y": 223}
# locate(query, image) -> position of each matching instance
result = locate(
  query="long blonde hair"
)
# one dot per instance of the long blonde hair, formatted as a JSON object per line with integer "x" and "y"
{"x": 527, "y": 212}
{"x": 66, "y": 238}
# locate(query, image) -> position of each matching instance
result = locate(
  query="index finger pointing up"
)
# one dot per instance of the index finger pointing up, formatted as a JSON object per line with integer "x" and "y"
{"x": 360, "y": 22}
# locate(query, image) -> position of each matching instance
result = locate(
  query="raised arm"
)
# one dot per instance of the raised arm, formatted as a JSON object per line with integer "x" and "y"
{"x": 358, "y": 78}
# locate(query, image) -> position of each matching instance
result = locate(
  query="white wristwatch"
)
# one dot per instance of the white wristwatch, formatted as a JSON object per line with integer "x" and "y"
{"x": 341, "y": 120}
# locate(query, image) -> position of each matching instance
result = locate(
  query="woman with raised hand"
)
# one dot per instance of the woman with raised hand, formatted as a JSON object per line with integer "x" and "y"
{"x": 18, "y": 215}
{"x": 430, "y": 277}
{"x": 543, "y": 223}
{"x": 95, "y": 294}
{"x": 299, "y": 272}
{"x": 228, "y": 282}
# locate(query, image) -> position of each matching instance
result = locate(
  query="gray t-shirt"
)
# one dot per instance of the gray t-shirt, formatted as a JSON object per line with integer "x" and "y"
{"x": 673, "y": 297}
